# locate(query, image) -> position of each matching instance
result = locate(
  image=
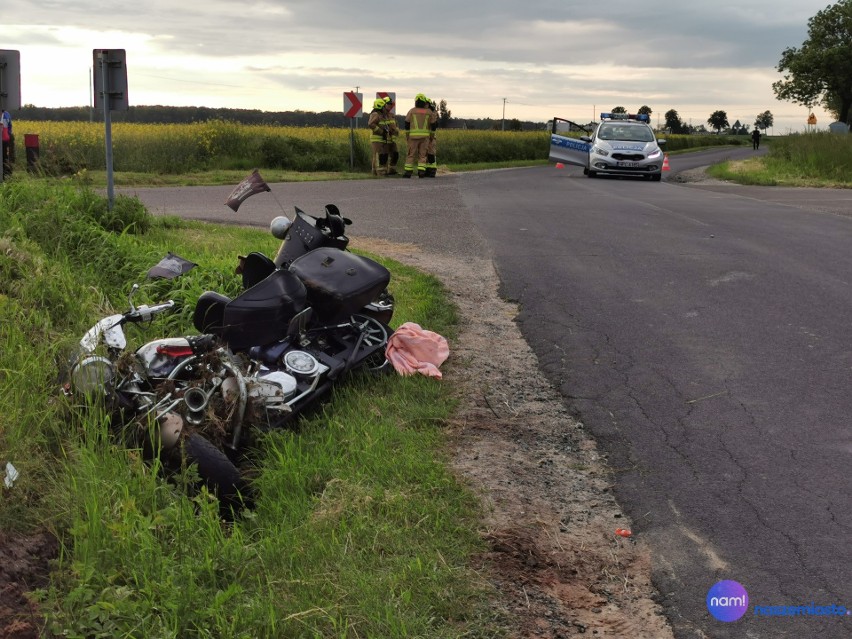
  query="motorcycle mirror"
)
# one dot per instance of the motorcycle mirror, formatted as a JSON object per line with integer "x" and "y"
{"x": 331, "y": 209}
{"x": 279, "y": 226}
{"x": 133, "y": 290}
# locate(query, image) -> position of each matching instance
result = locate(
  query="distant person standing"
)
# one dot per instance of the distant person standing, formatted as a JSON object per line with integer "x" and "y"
{"x": 755, "y": 139}
{"x": 420, "y": 125}
{"x": 8, "y": 143}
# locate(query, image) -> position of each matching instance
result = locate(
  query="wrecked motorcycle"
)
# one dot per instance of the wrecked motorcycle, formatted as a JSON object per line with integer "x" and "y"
{"x": 262, "y": 359}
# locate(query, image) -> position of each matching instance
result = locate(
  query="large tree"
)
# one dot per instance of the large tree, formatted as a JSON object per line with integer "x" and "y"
{"x": 444, "y": 114}
{"x": 764, "y": 120}
{"x": 673, "y": 121}
{"x": 718, "y": 120}
{"x": 820, "y": 71}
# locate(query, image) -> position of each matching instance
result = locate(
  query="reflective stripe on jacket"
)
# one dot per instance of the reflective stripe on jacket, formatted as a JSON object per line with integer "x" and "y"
{"x": 376, "y": 125}
{"x": 390, "y": 123}
{"x": 419, "y": 121}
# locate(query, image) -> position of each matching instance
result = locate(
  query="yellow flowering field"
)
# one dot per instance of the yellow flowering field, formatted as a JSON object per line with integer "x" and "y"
{"x": 179, "y": 148}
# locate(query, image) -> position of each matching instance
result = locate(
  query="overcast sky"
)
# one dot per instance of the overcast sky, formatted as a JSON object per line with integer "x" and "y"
{"x": 536, "y": 58}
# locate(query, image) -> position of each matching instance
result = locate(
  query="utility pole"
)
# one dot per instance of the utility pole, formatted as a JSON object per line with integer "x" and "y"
{"x": 503, "y": 126}
{"x": 91, "y": 98}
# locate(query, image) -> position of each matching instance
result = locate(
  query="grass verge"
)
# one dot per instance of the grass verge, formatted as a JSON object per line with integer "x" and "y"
{"x": 810, "y": 160}
{"x": 214, "y": 178}
{"x": 98, "y": 179}
{"x": 359, "y": 529}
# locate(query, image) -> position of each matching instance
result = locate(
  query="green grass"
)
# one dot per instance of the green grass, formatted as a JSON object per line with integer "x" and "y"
{"x": 482, "y": 166}
{"x": 216, "y": 178}
{"x": 359, "y": 529}
{"x": 223, "y": 177}
{"x": 807, "y": 160}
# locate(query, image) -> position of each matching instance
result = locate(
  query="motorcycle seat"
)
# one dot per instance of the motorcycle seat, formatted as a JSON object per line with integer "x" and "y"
{"x": 257, "y": 316}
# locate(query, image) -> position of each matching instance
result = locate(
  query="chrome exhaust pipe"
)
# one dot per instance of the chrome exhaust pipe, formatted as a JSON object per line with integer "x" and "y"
{"x": 196, "y": 401}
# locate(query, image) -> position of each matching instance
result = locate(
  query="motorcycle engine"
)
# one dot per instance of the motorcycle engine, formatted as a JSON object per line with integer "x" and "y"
{"x": 272, "y": 384}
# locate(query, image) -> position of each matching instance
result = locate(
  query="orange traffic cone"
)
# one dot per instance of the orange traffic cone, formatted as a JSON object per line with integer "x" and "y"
{"x": 559, "y": 165}
{"x": 666, "y": 163}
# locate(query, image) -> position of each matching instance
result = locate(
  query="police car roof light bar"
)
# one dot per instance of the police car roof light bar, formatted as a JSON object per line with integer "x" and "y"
{"x": 640, "y": 117}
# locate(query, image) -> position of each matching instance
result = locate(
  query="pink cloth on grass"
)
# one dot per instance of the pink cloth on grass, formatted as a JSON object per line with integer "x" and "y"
{"x": 412, "y": 349}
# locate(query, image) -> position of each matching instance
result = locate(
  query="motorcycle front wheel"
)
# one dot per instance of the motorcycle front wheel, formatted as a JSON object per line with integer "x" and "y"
{"x": 218, "y": 472}
{"x": 376, "y": 334}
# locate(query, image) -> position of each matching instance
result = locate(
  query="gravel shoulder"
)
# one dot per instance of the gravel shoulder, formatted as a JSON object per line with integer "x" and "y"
{"x": 554, "y": 556}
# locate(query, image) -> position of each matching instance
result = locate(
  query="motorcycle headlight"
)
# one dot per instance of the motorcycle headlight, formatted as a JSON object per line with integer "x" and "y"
{"x": 599, "y": 151}
{"x": 92, "y": 375}
{"x": 279, "y": 226}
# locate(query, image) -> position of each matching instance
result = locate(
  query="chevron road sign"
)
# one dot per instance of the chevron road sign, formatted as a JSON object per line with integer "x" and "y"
{"x": 352, "y": 104}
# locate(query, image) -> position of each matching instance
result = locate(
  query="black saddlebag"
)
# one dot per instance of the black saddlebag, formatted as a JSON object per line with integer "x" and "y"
{"x": 261, "y": 314}
{"x": 338, "y": 282}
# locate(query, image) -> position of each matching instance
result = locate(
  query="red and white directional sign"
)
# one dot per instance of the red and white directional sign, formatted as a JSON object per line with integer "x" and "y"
{"x": 387, "y": 94}
{"x": 352, "y": 104}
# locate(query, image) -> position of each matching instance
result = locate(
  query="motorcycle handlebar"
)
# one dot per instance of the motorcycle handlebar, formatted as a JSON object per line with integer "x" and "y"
{"x": 145, "y": 313}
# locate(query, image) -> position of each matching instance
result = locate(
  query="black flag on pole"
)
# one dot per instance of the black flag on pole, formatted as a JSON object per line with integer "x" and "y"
{"x": 245, "y": 189}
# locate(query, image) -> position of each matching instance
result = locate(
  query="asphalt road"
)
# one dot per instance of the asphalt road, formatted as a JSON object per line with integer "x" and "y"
{"x": 701, "y": 333}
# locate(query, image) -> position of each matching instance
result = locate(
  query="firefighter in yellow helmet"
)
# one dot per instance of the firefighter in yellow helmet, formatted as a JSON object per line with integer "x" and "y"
{"x": 393, "y": 134}
{"x": 432, "y": 146}
{"x": 420, "y": 125}
{"x": 379, "y": 134}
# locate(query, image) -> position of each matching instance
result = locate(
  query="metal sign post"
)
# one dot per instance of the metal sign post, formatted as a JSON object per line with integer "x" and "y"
{"x": 108, "y": 134}
{"x": 352, "y": 102}
{"x": 110, "y": 78}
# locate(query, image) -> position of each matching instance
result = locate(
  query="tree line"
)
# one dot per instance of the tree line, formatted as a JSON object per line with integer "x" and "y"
{"x": 717, "y": 121}
{"x": 159, "y": 114}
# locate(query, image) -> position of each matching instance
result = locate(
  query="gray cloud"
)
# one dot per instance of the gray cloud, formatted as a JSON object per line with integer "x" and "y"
{"x": 539, "y": 53}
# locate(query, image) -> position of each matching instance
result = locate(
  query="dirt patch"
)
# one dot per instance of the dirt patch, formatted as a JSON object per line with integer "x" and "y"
{"x": 24, "y": 566}
{"x": 697, "y": 176}
{"x": 554, "y": 555}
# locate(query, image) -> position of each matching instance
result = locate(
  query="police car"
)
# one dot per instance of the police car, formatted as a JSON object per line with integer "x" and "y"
{"x": 622, "y": 144}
